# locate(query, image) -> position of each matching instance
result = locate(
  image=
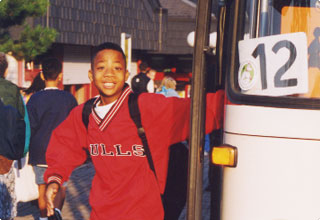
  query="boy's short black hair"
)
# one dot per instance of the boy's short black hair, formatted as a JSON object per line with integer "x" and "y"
{"x": 110, "y": 46}
{"x": 3, "y": 64}
{"x": 51, "y": 68}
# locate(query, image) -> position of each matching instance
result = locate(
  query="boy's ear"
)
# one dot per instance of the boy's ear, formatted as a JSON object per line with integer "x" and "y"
{"x": 60, "y": 77}
{"x": 90, "y": 75}
{"x": 42, "y": 76}
{"x": 6, "y": 73}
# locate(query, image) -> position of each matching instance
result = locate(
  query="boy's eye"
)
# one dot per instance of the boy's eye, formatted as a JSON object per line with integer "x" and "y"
{"x": 100, "y": 67}
{"x": 118, "y": 68}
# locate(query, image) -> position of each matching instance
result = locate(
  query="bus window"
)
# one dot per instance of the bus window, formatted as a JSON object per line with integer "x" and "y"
{"x": 279, "y": 50}
{"x": 307, "y": 20}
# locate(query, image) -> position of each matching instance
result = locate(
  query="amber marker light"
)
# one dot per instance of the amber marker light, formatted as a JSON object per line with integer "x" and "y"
{"x": 225, "y": 155}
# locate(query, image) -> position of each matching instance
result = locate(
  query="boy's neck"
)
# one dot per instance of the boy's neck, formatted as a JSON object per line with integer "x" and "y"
{"x": 106, "y": 101}
{"x": 51, "y": 83}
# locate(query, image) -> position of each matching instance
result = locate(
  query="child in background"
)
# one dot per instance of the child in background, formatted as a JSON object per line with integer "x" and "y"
{"x": 47, "y": 109}
{"x": 124, "y": 186}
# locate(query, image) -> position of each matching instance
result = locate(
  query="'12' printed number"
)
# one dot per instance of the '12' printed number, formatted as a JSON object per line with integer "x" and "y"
{"x": 278, "y": 82}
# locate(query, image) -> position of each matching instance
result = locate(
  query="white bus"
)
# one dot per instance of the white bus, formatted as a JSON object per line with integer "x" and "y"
{"x": 269, "y": 53}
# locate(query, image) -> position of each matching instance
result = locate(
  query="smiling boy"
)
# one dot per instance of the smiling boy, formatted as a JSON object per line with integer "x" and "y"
{"x": 124, "y": 186}
{"x": 108, "y": 73}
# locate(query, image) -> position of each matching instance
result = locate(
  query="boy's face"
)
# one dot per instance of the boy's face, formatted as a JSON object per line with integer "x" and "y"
{"x": 109, "y": 75}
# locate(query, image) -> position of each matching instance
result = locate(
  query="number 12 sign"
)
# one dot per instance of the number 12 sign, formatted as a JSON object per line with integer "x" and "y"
{"x": 274, "y": 65}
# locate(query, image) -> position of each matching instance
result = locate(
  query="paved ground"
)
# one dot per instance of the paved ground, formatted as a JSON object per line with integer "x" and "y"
{"x": 76, "y": 206}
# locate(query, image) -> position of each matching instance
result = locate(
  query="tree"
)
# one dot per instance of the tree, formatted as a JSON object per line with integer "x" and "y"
{"x": 31, "y": 41}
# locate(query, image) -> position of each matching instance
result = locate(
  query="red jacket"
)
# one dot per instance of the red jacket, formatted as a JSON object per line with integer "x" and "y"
{"x": 124, "y": 187}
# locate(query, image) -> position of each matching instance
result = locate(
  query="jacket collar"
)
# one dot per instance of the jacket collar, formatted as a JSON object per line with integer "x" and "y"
{"x": 103, "y": 123}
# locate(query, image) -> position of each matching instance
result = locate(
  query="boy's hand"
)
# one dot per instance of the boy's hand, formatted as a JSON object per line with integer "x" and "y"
{"x": 51, "y": 192}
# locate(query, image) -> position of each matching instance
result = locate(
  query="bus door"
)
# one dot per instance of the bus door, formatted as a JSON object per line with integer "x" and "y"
{"x": 272, "y": 114}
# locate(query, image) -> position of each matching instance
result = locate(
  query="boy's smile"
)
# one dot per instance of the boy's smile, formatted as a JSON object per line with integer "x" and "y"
{"x": 109, "y": 75}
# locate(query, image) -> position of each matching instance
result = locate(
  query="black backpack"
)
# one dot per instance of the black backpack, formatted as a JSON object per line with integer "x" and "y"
{"x": 175, "y": 194}
{"x": 12, "y": 132}
{"x": 139, "y": 83}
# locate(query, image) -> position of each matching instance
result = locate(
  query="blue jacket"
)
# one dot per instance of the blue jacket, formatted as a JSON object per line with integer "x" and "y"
{"x": 10, "y": 95}
{"x": 46, "y": 109}
{"x": 168, "y": 92}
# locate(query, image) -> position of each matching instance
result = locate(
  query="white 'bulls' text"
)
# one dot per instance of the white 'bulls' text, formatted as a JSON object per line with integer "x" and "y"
{"x": 116, "y": 150}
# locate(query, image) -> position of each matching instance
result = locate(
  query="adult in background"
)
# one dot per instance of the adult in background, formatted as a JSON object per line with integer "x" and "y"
{"x": 168, "y": 87}
{"x": 177, "y": 178}
{"x": 10, "y": 95}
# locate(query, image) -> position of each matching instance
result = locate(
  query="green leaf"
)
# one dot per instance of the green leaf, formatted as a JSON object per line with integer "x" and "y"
{"x": 32, "y": 41}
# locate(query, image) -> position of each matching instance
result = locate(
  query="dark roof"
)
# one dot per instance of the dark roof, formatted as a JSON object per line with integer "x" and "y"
{"x": 84, "y": 22}
{"x": 181, "y": 21}
{"x": 91, "y": 22}
{"x": 175, "y": 41}
{"x": 215, "y": 4}
{"x": 179, "y": 8}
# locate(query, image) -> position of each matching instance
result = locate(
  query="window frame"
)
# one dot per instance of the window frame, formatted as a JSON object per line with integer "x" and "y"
{"x": 234, "y": 26}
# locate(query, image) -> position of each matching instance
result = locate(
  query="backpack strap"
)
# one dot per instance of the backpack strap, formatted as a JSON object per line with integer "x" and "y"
{"x": 86, "y": 111}
{"x": 135, "y": 115}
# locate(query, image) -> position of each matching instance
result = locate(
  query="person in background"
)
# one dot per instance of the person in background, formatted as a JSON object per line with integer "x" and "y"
{"x": 151, "y": 87}
{"x": 36, "y": 85}
{"x": 207, "y": 144}
{"x": 168, "y": 87}
{"x": 143, "y": 82}
{"x": 174, "y": 206}
{"x": 47, "y": 109}
{"x": 9, "y": 95}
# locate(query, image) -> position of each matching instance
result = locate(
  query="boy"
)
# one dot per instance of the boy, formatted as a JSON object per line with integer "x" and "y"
{"x": 47, "y": 109}
{"x": 124, "y": 187}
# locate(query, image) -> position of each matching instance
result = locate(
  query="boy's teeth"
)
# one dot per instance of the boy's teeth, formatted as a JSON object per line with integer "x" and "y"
{"x": 109, "y": 84}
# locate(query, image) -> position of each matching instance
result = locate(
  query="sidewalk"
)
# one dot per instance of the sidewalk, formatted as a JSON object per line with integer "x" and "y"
{"x": 76, "y": 206}
{"x": 206, "y": 196}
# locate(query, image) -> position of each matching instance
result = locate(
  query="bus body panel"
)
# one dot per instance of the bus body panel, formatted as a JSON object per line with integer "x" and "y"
{"x": 278, "y": 175}
{"x": 275, "y": 122}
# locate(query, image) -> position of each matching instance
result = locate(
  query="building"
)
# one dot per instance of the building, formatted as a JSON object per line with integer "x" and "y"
{"x": 158, "y": 31}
